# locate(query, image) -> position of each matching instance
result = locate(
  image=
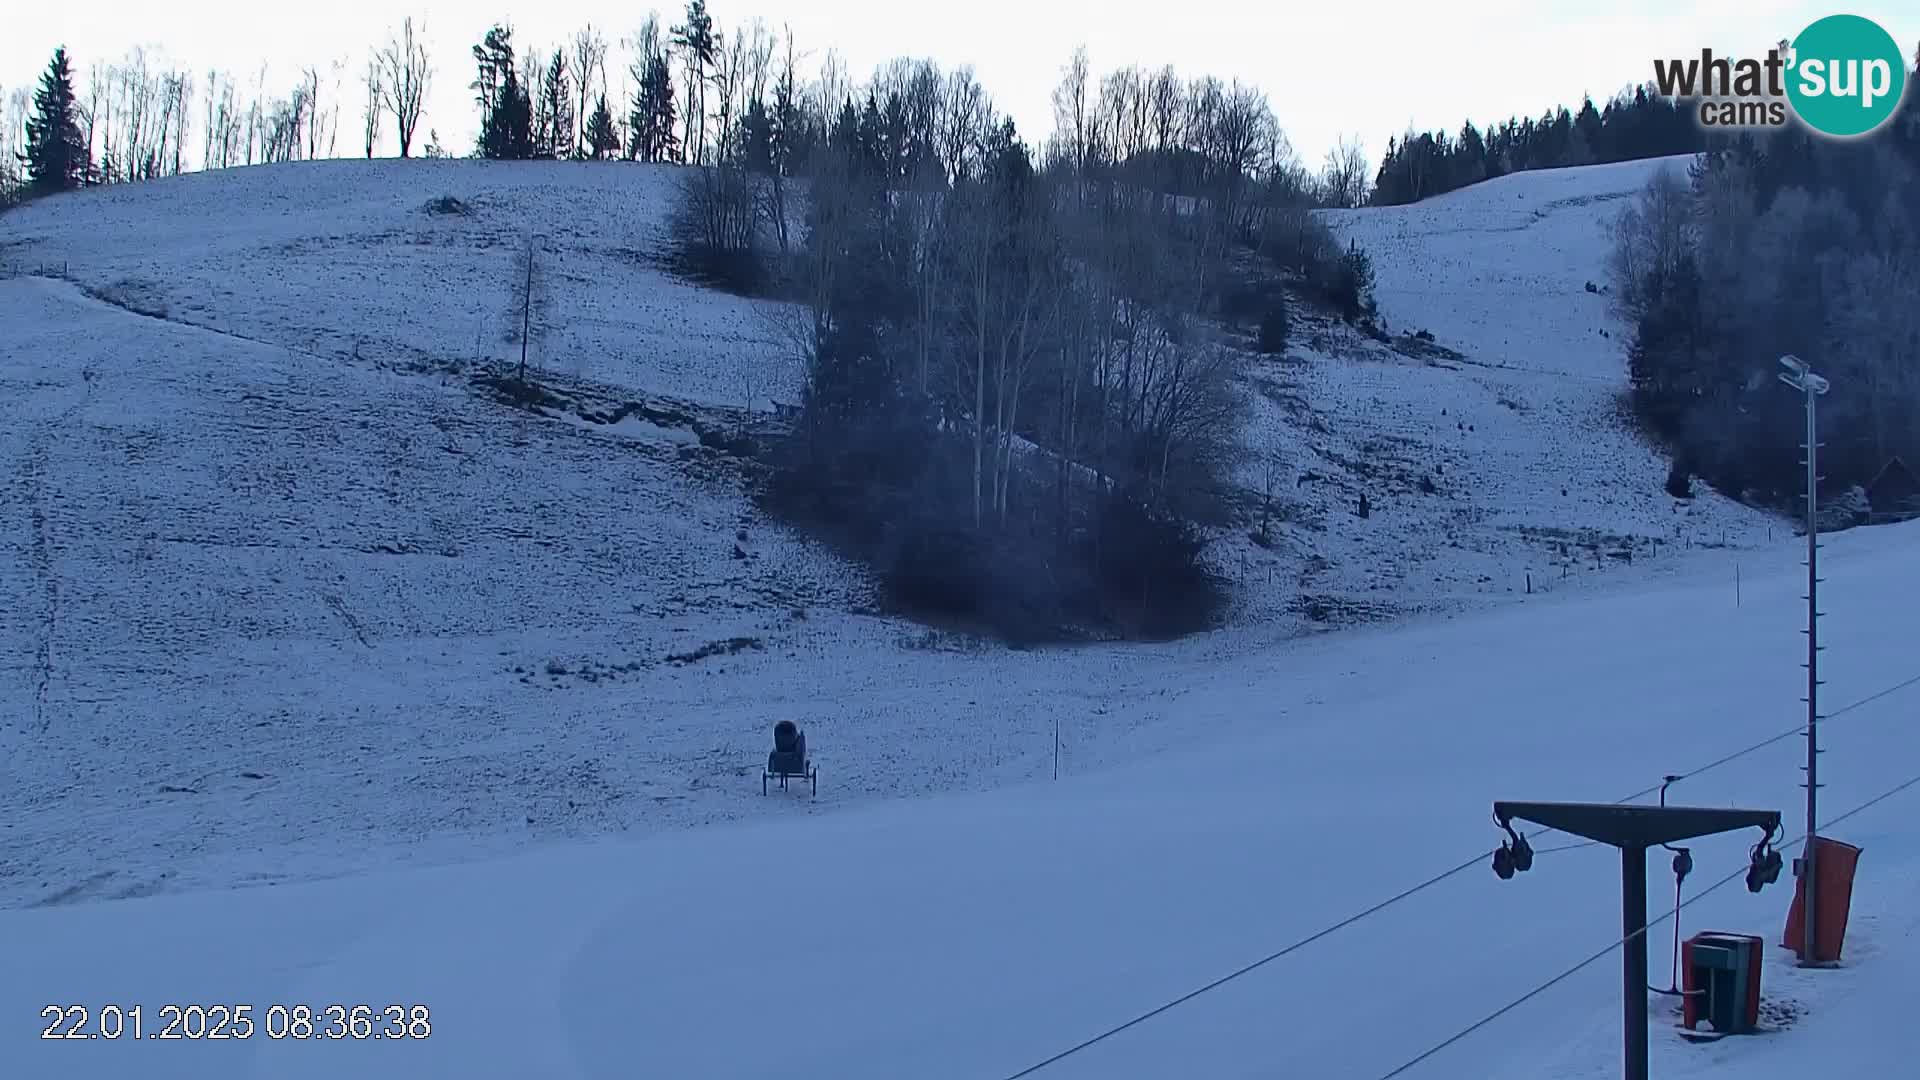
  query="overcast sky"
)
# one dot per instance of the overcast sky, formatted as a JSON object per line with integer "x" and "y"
{"x": 1330, "y": 68}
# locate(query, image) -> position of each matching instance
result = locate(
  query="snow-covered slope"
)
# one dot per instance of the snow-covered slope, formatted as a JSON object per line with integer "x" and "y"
{"x": 294, "y": 595}
{"x": 342, "y": 258}
{"x": 1498, "y": 452}
{"x": 975, "y": 936}
{"x": 1514, "y": 418}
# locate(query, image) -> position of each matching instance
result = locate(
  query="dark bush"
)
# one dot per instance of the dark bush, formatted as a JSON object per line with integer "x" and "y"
{"x": 1243, "y": 304}
{"x": 1302, "y": 245}
{"x": 712, "y": 232}
{"x": 940, "y": 569}
{"x": 1348, "y": 285}
{"x": 1679, "y": 481}
{"x": 1298, "y": 242}
{"x": 1135, "y": 572}
{"x": 1148, "y": 571}
{"x": 1274, "y": 326}
{"x": 950, "y": 570}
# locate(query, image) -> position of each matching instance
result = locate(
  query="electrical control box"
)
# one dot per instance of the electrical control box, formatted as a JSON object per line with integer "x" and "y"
{"x": 1722, "y": 982}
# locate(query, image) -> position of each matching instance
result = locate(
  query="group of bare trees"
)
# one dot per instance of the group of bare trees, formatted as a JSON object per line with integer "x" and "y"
{"x": 1344, "y": 179}
{"x": 693, "y": 83}
{"x": 302, "y": 124}
{"x": 1019, "y": 399}
{"x": 136, "y": 119}
{"x": 139, "y": 115}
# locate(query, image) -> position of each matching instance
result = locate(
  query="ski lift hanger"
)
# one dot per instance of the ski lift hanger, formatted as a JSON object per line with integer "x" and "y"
{"x": 1634, "y": 829}
{"x": 1635, "y": 826}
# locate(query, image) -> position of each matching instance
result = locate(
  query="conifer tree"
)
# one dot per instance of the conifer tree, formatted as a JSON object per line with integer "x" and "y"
{"x": 494, "y": 59}
{"x": 508, "y": 135}
{"x": 602, "y": 141}
{"x": 58, "y": 157}
{"x": 1587, "y": 128}
{"x": 654, "y": 115}
{"x": 553, "y": 129}
{"x": 757, "y": 138}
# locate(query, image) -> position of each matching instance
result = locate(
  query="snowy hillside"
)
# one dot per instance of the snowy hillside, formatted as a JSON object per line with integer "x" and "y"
{"x": 1494, "y": 453}
{"x": 971, "y": 936}
{"x": 293, "y": 593}
{"x": 343, "y": 258}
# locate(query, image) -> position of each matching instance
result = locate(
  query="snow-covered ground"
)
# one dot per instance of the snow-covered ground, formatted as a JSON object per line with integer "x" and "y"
{"x": 1514, "y": 418}
{"x": 287, "y": 594}
{"x": 975, "y": 935}
{"x": 271, "y": 544}
{"x": 340, "y": 258}
{"x": 1512, "y": 413}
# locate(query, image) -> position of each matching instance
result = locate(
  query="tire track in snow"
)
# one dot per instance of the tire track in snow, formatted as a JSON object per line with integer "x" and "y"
{"x": 33, "y": 481}
{"x": 105, "y": 299}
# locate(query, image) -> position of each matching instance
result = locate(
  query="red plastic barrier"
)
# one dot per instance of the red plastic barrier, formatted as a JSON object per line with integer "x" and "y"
{"x": 1834, "y": 864}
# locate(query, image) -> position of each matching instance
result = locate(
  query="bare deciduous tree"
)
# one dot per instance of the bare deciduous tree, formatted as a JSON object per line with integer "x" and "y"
{"x": 15, "y": 107}
{"x": 1072, "y": 120}
{"x": 1344, "y": 178}
{"x": 1652, "y": 236}
{"x": 310, "y": 91}
{"x": 833, "y": 88}
{"x": 788, "y": 119}
{"x": 374, "y": 107}
{"x": 405, "y": 71}
{"x": 590, "y": 68}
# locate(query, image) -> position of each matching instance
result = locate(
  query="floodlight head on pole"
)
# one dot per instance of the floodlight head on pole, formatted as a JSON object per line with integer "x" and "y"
{"x": 1801, "y": 377}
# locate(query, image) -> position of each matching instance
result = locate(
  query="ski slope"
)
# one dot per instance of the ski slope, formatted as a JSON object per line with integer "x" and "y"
{"x": 345, "y": 261}
{"x": 1495, "y": 452}
{"x": 278, "y": 566}
{"x": 974, "y": 935}
{"x": 344, "y": 258}
{"x": 333, "y": 677}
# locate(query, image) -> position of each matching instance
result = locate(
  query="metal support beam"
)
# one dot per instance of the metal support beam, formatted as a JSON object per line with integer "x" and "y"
{"x": 1636, "y": 826}
{"x": 1633, "y": 927}
{"x": 1803, "y": 379}
{"x": 1810, "y": 933}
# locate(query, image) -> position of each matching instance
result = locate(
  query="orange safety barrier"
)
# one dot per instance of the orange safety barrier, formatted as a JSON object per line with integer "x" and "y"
{"x": 1834, "y": 864}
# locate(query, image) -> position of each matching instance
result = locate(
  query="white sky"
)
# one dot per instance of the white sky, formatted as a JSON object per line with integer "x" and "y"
{"x": 1330, "y": 68}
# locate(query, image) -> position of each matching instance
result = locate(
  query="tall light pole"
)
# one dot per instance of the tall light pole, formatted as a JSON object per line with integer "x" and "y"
{"x": 1803, "y": 379}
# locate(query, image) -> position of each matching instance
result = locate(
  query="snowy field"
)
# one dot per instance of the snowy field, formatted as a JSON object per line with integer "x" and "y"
{"x": 291, "y": 596}
{"x": 329, "y": 676}
{"x": 343, "y": 260}
{"x": 975, "y": 935}
{"x": 1511, "y": 414}
{"x": 342, "y": 257}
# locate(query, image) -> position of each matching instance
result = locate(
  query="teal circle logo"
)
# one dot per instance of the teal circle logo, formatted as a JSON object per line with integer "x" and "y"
{"x": 1846, "y": 75}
